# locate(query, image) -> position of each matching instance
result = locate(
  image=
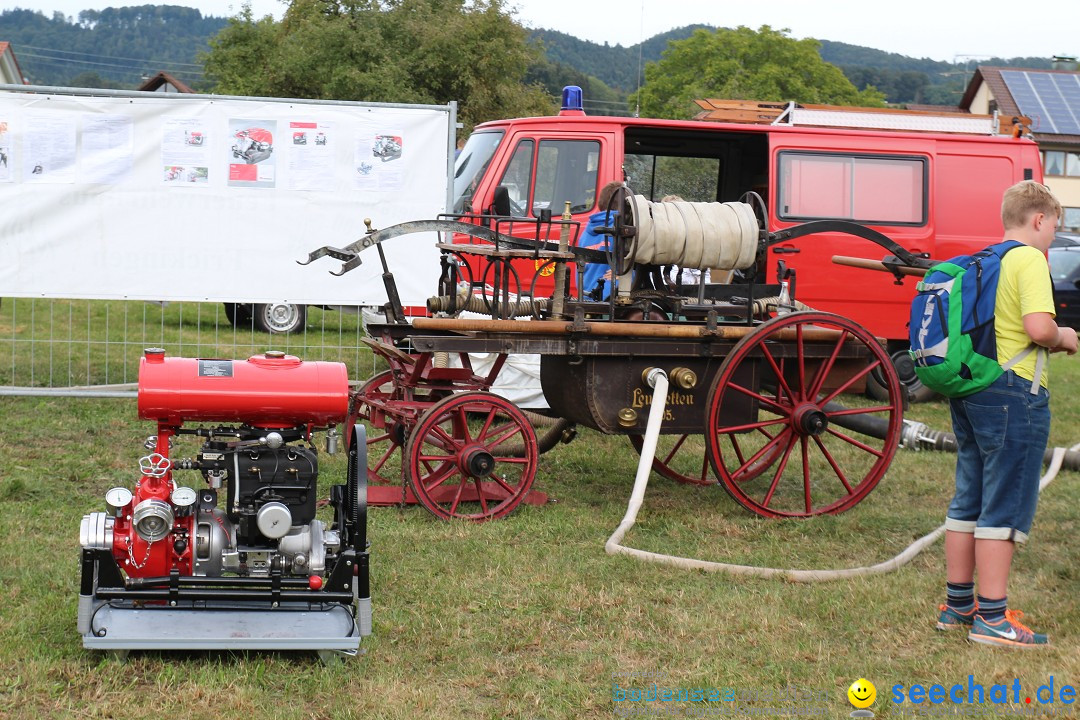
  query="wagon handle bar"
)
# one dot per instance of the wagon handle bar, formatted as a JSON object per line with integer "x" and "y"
{"x": 902, "y": 262}
{"x": 889, "y": 264}
{"x": 350, "y": 254}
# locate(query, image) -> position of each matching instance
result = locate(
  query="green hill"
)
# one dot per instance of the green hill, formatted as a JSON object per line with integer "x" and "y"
{"x": 901, "y": 78}
{"x": 616, "y": 66}
{"x": 114, "y": 47}
{"x": 117, "y": 47}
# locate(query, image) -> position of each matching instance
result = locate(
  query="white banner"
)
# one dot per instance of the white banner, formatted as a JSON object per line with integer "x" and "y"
{"x": 154, "y": 196}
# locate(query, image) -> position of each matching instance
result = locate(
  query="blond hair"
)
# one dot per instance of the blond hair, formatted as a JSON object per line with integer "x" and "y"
{"x": 1023, "y": 200}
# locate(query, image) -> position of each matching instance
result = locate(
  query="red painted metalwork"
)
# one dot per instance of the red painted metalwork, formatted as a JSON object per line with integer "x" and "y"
{"x": 472, "y": 456}
{"x": 803, "y": 464}
{"x": 394, "y": 402}
{"x": 674, "y": 460}
{"x": 273, "y": 390}
{"x": 683, "y": 467}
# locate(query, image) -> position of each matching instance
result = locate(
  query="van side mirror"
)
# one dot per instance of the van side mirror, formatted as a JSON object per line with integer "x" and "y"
{"x": 500, "y": 204}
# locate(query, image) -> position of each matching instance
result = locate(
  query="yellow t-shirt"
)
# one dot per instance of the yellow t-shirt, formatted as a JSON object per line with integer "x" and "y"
{"x": 1024, "y": 287}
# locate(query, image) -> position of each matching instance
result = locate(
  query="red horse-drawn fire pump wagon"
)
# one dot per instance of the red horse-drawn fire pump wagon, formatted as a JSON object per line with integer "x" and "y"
{"x": 765, "y": 399}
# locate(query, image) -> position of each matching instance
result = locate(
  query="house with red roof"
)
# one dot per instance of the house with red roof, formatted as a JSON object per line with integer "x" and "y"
{"x": 10, "y": 74}
{"x": 1051, "y": 99}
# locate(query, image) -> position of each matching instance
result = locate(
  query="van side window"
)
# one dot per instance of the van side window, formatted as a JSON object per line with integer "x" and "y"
{"x": 867, "y": 189}
{"x": 694, "y": 179}
{"x": 517, "y": 179}
{"x": 566, "y": 170}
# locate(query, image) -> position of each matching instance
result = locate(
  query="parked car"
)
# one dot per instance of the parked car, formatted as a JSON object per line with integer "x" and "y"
{"x": 269, "y": 317}
{"x": 1065, "y": 271}
{"x": 1064, "y": 239}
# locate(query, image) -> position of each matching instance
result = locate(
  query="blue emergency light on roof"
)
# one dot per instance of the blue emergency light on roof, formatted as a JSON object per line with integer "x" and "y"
{"x": 571, "y": 101}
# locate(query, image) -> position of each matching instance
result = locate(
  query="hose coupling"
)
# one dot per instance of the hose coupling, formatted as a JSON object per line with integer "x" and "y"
{"x": 918, "y": 436}
{"x": 650, "y": 375}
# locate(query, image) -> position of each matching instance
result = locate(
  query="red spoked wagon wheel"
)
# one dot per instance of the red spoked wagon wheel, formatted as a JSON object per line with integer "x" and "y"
{"x": 681, "y": 458}
{"x": 787, "y": 378}
{"x": 473, "y": 456}
{"x": 385, "y": 438}
{"x": 685, "y": 458}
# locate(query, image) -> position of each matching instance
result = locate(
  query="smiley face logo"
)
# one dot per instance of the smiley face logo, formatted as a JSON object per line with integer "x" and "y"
{"x": 862, "y": 693}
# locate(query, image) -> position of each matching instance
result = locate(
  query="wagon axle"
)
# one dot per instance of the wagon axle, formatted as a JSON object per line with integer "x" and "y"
{"x": 809, "y": 420}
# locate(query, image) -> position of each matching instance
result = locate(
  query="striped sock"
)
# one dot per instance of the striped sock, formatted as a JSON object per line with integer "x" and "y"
{"x": 992, "y": 610}
{"x": 960, "y": 596}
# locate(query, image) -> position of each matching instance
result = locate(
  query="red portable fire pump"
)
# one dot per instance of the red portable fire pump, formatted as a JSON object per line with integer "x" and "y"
{"x": 167, "y": 568}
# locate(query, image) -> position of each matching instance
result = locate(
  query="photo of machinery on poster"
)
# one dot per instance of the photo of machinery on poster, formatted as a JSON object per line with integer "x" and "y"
{"x": 183, "y": 197}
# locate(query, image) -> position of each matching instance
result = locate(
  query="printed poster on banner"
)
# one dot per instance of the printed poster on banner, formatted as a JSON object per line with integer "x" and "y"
{"x": 378, "y": 160}
{"x": 49, "y": 149}
{"x": 311, "y": 155}
{"x": 5, "y": 152}
{"x": 251, "y": 158}
{"x": 185, "y": 153}
{"x": 108, "y": 149}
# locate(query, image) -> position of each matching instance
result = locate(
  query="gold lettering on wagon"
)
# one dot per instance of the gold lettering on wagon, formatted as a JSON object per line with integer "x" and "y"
{"x": 641, "y": 398}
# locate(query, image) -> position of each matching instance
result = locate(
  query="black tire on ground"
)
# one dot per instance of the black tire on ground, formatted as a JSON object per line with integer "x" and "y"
{"x": 279, "y": 317}
{"x": 238, "y": 314}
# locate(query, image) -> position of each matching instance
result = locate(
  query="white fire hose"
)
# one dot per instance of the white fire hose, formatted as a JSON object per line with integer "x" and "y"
{"x": 659, "y": 381}
{"x": 693, "y": 234}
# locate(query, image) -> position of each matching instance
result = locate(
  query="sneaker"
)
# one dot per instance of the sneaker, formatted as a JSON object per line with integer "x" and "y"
{"x": 1010, "y": 633}
{"x": 951, "y": 619}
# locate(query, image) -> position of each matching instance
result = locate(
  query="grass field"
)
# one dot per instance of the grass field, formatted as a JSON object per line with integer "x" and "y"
{"x": 527, "y": 617}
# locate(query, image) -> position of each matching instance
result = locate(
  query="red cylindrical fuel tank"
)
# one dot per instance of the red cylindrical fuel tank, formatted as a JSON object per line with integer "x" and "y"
{"x": 266, "y": 390}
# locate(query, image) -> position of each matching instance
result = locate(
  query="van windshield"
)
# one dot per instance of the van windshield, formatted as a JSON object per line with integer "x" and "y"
{"x": 471, "y": 163}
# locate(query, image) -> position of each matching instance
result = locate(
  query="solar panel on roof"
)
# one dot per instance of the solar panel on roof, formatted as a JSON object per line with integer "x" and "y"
{"x": 1051, "y": 100}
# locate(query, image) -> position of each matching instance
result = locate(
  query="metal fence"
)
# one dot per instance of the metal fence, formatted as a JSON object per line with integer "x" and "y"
{"x": 92, "y": 347}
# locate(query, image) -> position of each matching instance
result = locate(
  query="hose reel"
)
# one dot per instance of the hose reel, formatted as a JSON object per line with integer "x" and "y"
{"x": 697, "y": 235}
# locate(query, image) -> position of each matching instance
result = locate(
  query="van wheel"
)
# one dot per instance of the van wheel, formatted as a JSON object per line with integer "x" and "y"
{"x": 238, "y": 314}
{"x": 280, "y": 317}
{"x": 905, "y": 369}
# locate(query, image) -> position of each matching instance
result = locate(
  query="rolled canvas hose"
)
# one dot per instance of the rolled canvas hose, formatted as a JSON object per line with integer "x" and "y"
{"x": 693, "y": 235}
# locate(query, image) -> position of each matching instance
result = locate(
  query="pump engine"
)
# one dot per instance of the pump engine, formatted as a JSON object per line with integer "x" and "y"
{"x": 241, "y": 559}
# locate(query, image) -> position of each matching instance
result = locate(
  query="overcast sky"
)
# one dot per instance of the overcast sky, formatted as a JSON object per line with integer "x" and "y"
{"x": 953, "y": 30}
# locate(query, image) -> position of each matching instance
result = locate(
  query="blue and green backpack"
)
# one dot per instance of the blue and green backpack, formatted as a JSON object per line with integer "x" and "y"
{"x": 951, "y": 332}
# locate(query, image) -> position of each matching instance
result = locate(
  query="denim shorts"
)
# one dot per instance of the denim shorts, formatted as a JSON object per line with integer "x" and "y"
{"x": 1001, "y": 434}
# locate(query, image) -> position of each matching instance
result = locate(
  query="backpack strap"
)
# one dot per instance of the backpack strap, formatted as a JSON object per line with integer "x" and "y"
{"x": 1002, "y": 247}
{"x": 923, "y": 286}
{"x": 1042, "y": 355}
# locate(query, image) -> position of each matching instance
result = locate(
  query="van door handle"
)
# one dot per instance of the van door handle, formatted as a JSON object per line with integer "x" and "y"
{"x": 785, "y": 250}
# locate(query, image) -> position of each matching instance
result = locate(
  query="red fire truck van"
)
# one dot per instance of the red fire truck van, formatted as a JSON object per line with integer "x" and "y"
{"x": 931, "y": 182}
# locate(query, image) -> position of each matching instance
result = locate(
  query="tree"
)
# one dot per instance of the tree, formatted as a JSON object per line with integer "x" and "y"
{"x": 90, "y": 79}
{"x": 414, "y": 51}
{"x": 743, "y": 64}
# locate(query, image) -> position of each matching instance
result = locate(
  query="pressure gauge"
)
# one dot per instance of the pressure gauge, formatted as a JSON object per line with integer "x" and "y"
{"x": 117, "y": 499}
{"x": 183, "y": 498}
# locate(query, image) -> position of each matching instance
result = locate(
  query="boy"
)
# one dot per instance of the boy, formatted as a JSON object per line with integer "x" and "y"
{"x": 1001, "y": 433}
{"x": 597, "y": 273}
